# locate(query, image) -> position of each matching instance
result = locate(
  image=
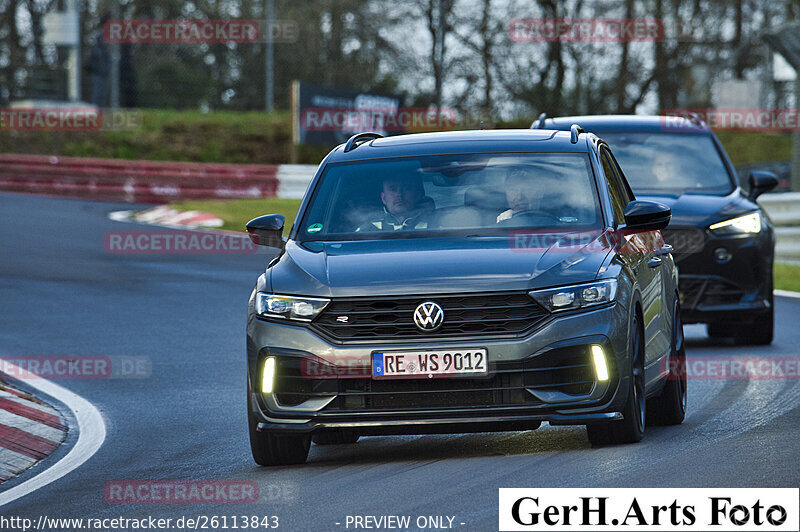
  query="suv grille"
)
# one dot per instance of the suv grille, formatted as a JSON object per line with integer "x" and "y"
{"x": 492, "y": 314}
{"x": 699, "y": 291}
{"x": 684, "y": 241}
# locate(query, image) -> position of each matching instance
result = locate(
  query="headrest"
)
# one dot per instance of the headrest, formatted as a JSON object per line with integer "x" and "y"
{"x": 484, "y": 198}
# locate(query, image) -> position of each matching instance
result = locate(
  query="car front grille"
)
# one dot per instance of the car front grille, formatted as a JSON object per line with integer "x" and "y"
{"x": 707, "y": 291}
{"x": 567, "y": 370}
{"x": 684, "y": 241}
{"x": 494, "y": 314}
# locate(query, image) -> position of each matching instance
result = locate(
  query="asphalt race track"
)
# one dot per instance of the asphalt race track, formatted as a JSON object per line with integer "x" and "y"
{"x": 61, "y": 293}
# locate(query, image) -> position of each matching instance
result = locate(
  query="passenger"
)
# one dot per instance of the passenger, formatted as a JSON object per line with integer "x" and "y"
{"x": 404, "y": 206}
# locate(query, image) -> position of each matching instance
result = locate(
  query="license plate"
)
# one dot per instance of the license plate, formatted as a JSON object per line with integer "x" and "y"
{"x": 419, "y": 364}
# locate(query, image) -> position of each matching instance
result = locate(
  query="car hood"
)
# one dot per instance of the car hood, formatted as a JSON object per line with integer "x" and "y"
{"x": 436, "y": 265}
{"x": 702, "y": 210}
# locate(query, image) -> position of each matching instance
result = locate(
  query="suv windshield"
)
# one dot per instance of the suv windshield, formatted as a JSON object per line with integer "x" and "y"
{"x": 663, "y": 163}
{"x": 441, "y": 195}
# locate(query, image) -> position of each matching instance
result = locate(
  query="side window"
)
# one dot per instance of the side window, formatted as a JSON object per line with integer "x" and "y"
{"x": 617, "y": 200}
{"x": 625, "y": 189}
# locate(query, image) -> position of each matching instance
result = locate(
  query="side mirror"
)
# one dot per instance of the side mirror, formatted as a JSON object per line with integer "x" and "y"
{"x": 267, "y": 230}
{"x": 761, "y": 182}
{"x": 646, "y": 216}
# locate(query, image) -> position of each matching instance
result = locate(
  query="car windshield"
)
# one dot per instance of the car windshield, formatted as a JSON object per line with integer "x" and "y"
{"x": 442, "y": 195}
{"x": 663, "y": 163}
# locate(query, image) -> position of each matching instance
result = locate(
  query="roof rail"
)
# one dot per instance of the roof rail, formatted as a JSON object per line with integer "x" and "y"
{"x": 353, "y": 142}
{"x": 696, "y": 119}
{"x": 574, "y": 131}
{"x": 539, "y": 122}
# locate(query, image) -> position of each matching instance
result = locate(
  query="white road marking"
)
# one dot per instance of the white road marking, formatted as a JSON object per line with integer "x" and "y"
{"x": 787, "y": 293}
{"x": 91, "y": 435}
{"x": 119, "y": 216}
{"x": 165, "y": 216}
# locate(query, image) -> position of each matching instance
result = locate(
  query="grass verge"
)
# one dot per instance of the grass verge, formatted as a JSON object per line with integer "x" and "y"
{"x": 236, "y": 213}
{"x": 787, "y": 277}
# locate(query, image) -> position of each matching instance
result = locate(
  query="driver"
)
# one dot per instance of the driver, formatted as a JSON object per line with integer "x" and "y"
{"x": 404, "y": 206}
{"x": 519, "y": 193}
{"x": 670, "y": 172}
{"x": 663, "y": 168}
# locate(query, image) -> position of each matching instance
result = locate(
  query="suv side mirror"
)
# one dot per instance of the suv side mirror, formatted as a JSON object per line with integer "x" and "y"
{"x": 646, "y": 216}
{"x": 761, "y": 182}
{"x": 267, "y": 230}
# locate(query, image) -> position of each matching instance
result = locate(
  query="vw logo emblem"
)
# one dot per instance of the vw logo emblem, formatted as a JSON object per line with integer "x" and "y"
{"x": 428, "y": 316}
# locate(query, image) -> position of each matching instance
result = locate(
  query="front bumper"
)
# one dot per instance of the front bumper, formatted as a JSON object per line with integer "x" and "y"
{"x": 538, "y": 377}
{"x": 736, "y": 290}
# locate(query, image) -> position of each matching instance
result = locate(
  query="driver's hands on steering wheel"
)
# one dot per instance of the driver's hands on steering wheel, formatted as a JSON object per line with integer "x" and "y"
{"x": 529, "y": 213}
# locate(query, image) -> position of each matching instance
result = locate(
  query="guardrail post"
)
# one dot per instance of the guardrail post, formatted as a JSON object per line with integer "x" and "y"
{"x": 796, "y": 141}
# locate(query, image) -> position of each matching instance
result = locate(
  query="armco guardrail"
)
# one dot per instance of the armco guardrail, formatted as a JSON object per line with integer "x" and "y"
{"x": 135, "y": 181}
{"x": 784, "y": 210}
{"x": 787, "y": 245}
{"x": 294, "y": 179}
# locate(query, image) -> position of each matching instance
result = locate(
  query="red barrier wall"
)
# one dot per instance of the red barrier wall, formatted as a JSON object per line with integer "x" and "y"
{"x": 135, "y": 181}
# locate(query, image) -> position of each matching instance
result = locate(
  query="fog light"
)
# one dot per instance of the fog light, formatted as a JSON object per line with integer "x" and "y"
{"x": 722, "y": 255}
{"x": 268, "y": 377}
{"x": 599, "y": 358}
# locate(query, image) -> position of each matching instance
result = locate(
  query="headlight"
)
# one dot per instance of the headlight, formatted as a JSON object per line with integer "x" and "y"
{"x": 289, "y": 307}
{"x": 577, "y": 296}
{"x": 749, "y": 223}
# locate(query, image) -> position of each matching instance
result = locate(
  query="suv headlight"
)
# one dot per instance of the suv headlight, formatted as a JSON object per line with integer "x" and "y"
{"x": 749, "y": 223}
{"x": 576, "y": 296}
{"x": 289, "y": 307}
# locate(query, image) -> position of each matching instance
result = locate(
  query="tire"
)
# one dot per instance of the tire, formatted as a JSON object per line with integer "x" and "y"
{"x": 276, "y": 449}
{"x": 630, "y": 429}
{"x": 761, "y": 331}
{"x": 335, "y": 438}
{"x": 669, "y": 408}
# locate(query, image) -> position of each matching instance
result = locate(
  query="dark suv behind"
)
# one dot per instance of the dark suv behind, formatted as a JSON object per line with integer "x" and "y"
{"x": 723, "y": 241}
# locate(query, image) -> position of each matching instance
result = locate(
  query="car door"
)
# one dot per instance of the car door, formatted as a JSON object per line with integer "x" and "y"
{"x": 643, "y": 246}
{"x": 664, "y": 272}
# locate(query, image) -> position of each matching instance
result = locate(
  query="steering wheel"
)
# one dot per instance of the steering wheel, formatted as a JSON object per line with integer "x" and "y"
{"x": 533, "y": 213}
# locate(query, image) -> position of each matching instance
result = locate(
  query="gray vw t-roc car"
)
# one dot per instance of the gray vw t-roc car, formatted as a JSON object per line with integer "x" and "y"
{"x": 464, "y": 282}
